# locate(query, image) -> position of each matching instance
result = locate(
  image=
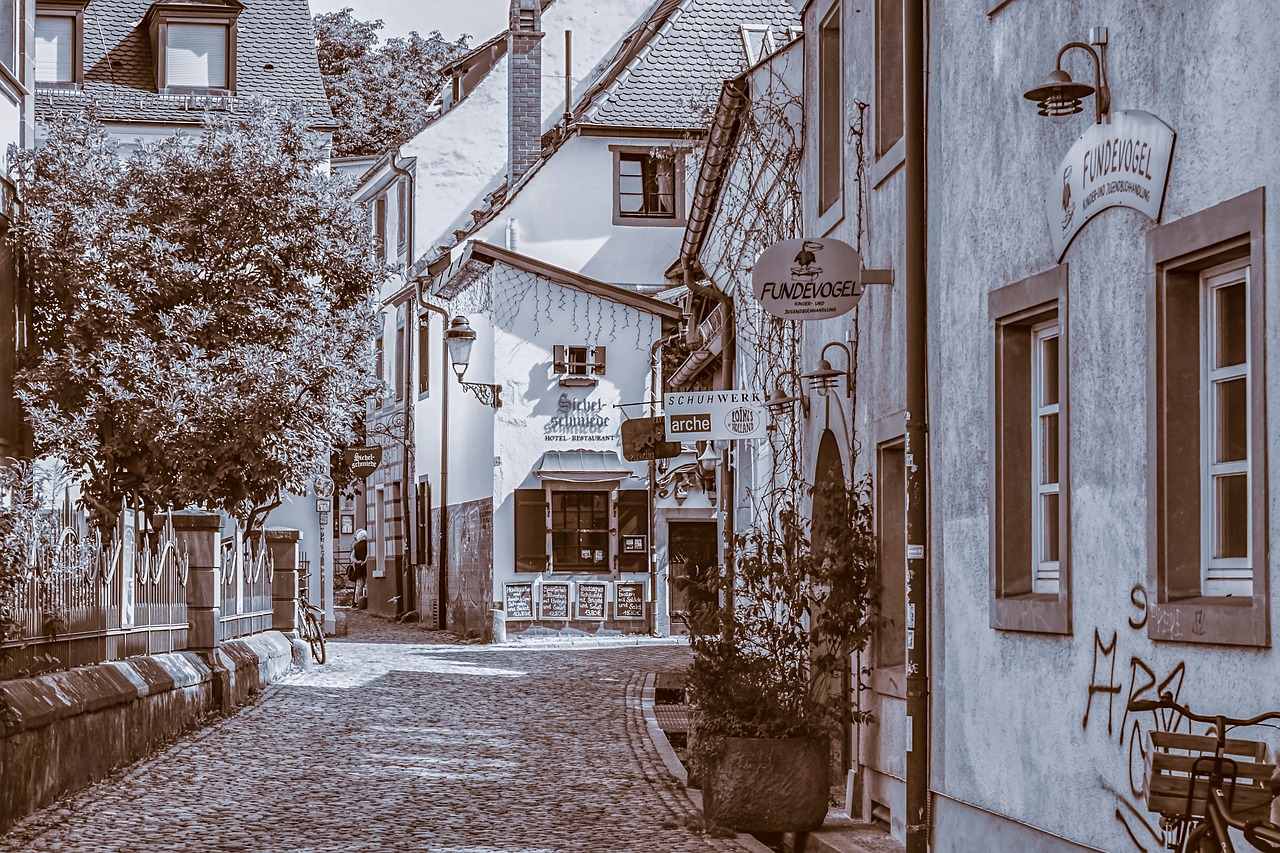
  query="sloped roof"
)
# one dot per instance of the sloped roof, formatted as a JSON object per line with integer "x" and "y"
{"x": 669, "y": 74}
{"x": 119, "y": 69}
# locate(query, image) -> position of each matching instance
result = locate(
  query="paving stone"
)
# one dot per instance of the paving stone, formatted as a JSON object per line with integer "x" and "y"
{"x": 407, "y": 741}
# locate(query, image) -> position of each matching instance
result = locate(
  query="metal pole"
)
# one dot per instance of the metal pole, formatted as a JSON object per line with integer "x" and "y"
{"x": 916, "y": 309}
{"x": 444, "y": 463}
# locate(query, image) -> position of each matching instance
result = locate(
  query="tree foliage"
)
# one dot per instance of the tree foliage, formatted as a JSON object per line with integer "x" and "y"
{"x": 201, "y": 311}
{"x": 381, "y": 93}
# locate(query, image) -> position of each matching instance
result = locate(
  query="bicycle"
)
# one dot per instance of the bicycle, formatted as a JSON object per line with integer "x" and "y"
{"x": 1200, "y": 784}
{"x": 311, "y": 628}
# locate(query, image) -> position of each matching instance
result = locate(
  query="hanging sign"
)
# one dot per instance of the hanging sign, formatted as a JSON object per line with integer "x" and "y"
{"x": 812, "y": 279}
{"x": 708, "y": 415}
{"x": 1122, "y": 162}
{"x": 363, "y": 460}
{"x": 644, "y": 439}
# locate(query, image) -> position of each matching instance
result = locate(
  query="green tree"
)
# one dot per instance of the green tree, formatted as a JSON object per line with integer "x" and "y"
{"x": 201, "y": 311}
{"x": 381, "y": 94}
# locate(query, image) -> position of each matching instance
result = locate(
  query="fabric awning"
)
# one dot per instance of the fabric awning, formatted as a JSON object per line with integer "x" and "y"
{"x": 583, "y": 466}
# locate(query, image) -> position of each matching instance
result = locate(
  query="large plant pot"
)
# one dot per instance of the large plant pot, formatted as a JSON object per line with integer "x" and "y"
{"x": 767, "y": 784}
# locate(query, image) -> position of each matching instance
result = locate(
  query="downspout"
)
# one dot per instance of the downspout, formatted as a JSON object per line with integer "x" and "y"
{"x": 407, "y": 583}
{"x": 444, "y": 460}
{"x": 917, "y": 452}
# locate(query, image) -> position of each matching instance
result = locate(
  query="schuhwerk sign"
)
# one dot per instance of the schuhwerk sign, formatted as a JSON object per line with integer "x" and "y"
{"x": 1122, "y": 162}
{"x": 711, "y": 415}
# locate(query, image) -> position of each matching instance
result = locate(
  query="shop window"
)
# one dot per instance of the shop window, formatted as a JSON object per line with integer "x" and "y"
{"x": 1209, "y": 519}
{"x": 572, "y": 530}
{"x": 1030, "y": 585}
{"x": 58, "y": 43}
{"x": 830, "y": 114}
{"x": 648, "y": 187}
{"x": 580, "y": 531}
{"x": 578, "y": 365}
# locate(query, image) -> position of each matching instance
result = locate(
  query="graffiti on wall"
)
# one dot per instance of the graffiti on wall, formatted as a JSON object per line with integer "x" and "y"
{"x": 1141, "y": 681}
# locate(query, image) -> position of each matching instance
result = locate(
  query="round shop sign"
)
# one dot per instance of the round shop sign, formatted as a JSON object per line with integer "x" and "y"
{"x": 808, "y": 279}
{"x": 743, "y": 421}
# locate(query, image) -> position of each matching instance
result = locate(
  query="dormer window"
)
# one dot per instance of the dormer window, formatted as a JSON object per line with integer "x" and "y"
{"x": 59, "y": 32}
{"x": 194, "y": 45}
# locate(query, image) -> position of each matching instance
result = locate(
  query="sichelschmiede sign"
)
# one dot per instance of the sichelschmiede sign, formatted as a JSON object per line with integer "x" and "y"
{"x": 1122, "y": 162}
{"x": 714, "y": 415}
{"x": 808, "y": 279}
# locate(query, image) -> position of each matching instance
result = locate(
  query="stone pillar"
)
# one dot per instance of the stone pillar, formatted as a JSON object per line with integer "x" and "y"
{"x": 197, "y": 534}
{"x": 284, "y": 582}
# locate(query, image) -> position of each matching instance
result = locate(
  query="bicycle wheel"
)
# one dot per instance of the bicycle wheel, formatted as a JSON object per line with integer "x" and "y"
{"x": 315, "y": 637}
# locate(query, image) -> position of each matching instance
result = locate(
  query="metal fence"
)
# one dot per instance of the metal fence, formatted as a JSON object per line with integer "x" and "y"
{"x": 76, "y": 606}
{"x": 246, "y": 573}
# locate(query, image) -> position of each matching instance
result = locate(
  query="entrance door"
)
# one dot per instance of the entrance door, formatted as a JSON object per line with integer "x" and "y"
{"x": 692, "y": 550}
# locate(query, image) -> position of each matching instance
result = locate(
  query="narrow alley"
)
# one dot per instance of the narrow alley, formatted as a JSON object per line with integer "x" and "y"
{"x": 406, "y": 741}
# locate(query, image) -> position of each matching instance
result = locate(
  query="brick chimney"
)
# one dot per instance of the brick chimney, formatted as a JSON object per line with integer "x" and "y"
{"x": 524, "y": 88}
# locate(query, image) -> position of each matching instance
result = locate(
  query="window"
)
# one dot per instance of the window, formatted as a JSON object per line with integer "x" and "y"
{"x": 757, "y": 41}
{"x": 891, "y": 570}
{"x": 1030, "y": 584}
{"x": 402, "y": 217}
{"x": 194, "y": 46}
{"x": 195, "y": 56}
{"x": 379, "y": 369}
{"x": 402, "y": 361}
{"x": 580, "y": 531}
{"x": 648, "y": 187}
{"x": 380, "y": 228}
{"x": 578, "y": 365}
{"x": 889, "y": 60}
{"x": 57, "y": 54}
{"x": 830, "y": 114}
{"x": 1208, "y": 530}
{"x": 424, "y": 358}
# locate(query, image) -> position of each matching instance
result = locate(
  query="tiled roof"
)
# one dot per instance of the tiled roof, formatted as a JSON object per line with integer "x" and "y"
{"x": 670, "y": 76}
{"x": 119, "y": 71}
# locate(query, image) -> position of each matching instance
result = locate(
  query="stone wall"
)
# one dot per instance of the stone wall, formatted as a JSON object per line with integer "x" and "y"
{"x": 470, "y": 566}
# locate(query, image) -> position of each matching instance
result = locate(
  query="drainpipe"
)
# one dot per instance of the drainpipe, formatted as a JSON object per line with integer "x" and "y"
{"x": 407, "y": 586}
{"x": 444, "y": 459}
{"x": 917, "y": 453}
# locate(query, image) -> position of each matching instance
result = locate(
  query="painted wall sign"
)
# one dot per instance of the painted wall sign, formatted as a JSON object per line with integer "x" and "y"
{"x": 628, "y": 600}
{"x": 555, "y": 601}
{"x": 811, "y": 279}
{"x": 578, "y": 420}
{"x": 1123, "y": 162}
{"x": 704, "y": 415}
{"x": 363, "y": 460}
{"x": 590, "y": 601}
{"x": 518, "y": 600}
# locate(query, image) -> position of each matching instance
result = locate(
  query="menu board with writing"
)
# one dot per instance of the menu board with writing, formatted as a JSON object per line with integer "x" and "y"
{"x": 628, "y": 600}
{"x": 590, "y": 601}
{"x": 518, "y": 603}
{"x": 555, "y": 601}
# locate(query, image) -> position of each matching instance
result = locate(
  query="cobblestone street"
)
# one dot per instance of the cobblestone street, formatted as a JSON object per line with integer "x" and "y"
{"x": 406, "y": 741}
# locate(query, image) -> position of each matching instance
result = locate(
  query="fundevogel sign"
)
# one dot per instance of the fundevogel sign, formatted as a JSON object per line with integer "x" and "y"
{"x": 1122, "y": 162}
{"x": 811, "y": 279}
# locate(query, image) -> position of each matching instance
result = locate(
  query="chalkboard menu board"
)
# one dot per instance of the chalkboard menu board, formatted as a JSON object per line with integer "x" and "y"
{"x": 555, "y": 601}
{"x": 590, "y": 601}
{"x": 519, "y": 601}
{"x": 628, "y": 602}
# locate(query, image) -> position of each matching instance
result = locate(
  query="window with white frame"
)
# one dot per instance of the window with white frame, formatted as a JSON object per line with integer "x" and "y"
{"x": 1046, "y": 533}
{"x": 195, "y": 55}
{"x": 1225, "y": 500}
{"x": 56, "y": 48}
{"x": 578, "y": 364}
{"x": 757, "y": 41}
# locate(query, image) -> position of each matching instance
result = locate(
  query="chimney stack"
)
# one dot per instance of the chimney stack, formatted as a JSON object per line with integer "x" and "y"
{"x": 524, "y": 88}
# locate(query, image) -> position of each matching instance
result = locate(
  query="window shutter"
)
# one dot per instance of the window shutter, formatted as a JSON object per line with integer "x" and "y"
{"x": 55, "y": 40}
{"x": 633, "y": 520}
{"x": 558, "y": 365}
{"x": 597, "y": 355}
{"x": 531, "y": 530}
{"x": 196, "y": 55}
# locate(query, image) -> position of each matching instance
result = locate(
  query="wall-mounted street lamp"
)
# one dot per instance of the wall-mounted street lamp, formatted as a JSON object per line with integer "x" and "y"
{"x": 1060, "y": 96}
{"x": 708, "y": 459}
{"x": 826, "y": 377}
{"x": 459, "y": 338}
{"x": 780, "y": 403}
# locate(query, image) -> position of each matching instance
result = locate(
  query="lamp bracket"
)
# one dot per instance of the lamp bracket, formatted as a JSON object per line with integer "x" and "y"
{"x": 489, "y": 395}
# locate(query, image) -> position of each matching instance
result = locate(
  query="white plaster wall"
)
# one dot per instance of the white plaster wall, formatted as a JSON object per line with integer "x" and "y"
{"x": 564, "y": 216}
{"x": 528, "y": 316}
{"x": 463, "y": 155}
{"x": 1017, "y": 731}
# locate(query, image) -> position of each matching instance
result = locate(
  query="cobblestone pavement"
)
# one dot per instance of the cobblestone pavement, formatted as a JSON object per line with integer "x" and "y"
{"x": 406, "y": 740}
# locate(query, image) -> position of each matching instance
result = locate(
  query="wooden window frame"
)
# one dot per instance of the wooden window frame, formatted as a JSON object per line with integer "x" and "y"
{"x": 678, "y": 215}
{"x": 890, "y": 147}
{"x": 1015, "y": 310}
{"x": 829, "y": 117}
{"x": 1178, "y": 253}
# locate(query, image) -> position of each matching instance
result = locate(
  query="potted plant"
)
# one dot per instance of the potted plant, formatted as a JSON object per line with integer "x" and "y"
{"x": 772, "y": 652}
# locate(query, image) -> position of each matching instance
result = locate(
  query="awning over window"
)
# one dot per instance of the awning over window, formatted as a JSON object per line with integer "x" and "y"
{"x": 583, "y": 466}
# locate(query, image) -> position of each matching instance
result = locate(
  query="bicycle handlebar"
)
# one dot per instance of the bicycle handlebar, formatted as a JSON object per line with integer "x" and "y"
{"x": 1166, "y": 701}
